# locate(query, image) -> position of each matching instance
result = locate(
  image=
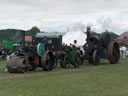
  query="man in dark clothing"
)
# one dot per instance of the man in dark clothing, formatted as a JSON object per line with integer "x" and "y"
{"x": 45, "y": 42}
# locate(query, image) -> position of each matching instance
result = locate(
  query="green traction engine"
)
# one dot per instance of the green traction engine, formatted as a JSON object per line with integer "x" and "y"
{"x": 71, "y": 57}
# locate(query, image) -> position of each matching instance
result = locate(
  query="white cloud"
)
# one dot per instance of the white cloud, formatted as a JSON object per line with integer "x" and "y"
{"x": 57, "y": 15}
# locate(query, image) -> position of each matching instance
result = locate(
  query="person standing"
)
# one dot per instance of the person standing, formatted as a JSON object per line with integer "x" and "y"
{"x": 75, "y": 43}
{"x": 45, "y": 42}
{"x": 124, "y": 51}
{"x": 121, "y": 52}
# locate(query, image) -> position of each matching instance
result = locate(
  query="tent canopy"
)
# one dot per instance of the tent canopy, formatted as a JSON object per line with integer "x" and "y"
{"x": 69, "y": 38}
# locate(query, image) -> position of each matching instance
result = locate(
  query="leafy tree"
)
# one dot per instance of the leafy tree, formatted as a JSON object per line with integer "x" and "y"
{"x": 112, "y": 35}
{"x": 95, "y": 34}
{"x": 11, "y": 34}
{"x": 33, "y": 31}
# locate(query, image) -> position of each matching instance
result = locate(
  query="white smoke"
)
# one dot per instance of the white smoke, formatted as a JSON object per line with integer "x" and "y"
{"x": 78, "y": 26}
{"x": 105, "y": 23}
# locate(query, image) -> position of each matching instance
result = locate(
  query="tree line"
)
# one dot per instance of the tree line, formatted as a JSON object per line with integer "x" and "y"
{"x": 13, "y": 33}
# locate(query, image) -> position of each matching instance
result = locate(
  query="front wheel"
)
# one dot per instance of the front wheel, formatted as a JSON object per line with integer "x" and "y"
{"x": 47, "y": 61}
{"x": 66, "y": 62}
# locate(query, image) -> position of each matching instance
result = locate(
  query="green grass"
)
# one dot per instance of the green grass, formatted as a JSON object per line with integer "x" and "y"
{"x": 88, "y": 80}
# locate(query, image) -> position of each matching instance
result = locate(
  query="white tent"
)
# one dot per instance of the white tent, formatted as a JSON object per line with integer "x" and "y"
{"x": 69, "y": 37}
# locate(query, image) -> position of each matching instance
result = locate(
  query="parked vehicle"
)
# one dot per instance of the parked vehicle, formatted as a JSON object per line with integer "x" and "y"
{"x": 101, "y": 48}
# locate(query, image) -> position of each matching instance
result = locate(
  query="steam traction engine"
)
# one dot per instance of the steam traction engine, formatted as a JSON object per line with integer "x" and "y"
{"x": 28, "y": 58}
{"x": 103, "y": 48}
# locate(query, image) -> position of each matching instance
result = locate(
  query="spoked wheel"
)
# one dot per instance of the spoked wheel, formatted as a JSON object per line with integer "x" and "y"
{"x": 47, "y": 61}
{"x": 96, "y": 57}
{"x": 77, "y": 61}
{"x": 113, "y": 52}
{"x": 66, "y": 62}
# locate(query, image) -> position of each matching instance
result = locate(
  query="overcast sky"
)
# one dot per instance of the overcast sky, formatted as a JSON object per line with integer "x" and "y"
{"x": 57, "y": 15}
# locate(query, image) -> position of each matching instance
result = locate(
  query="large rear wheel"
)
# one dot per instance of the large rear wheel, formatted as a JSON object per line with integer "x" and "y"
{"x": 113, "y": 52}
{"x": 47, "y": 61}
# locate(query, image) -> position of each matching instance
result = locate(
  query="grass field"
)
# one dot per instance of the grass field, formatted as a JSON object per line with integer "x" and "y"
{"x": 88, "y": 80}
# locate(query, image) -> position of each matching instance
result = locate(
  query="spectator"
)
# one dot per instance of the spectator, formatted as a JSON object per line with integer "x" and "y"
{"x": 70, "y": 45}
{"x": 82, "y": 51}
{"x": 121, "y": 52}
{"x": 124, "y": 51}
{"x": 53, "y": 50}
{"x": 75, "y": 43}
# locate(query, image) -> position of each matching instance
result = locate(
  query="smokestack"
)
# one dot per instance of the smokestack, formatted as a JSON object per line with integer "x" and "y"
{"x": 22, "y": 38}
{"x": 88, "y": 31}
